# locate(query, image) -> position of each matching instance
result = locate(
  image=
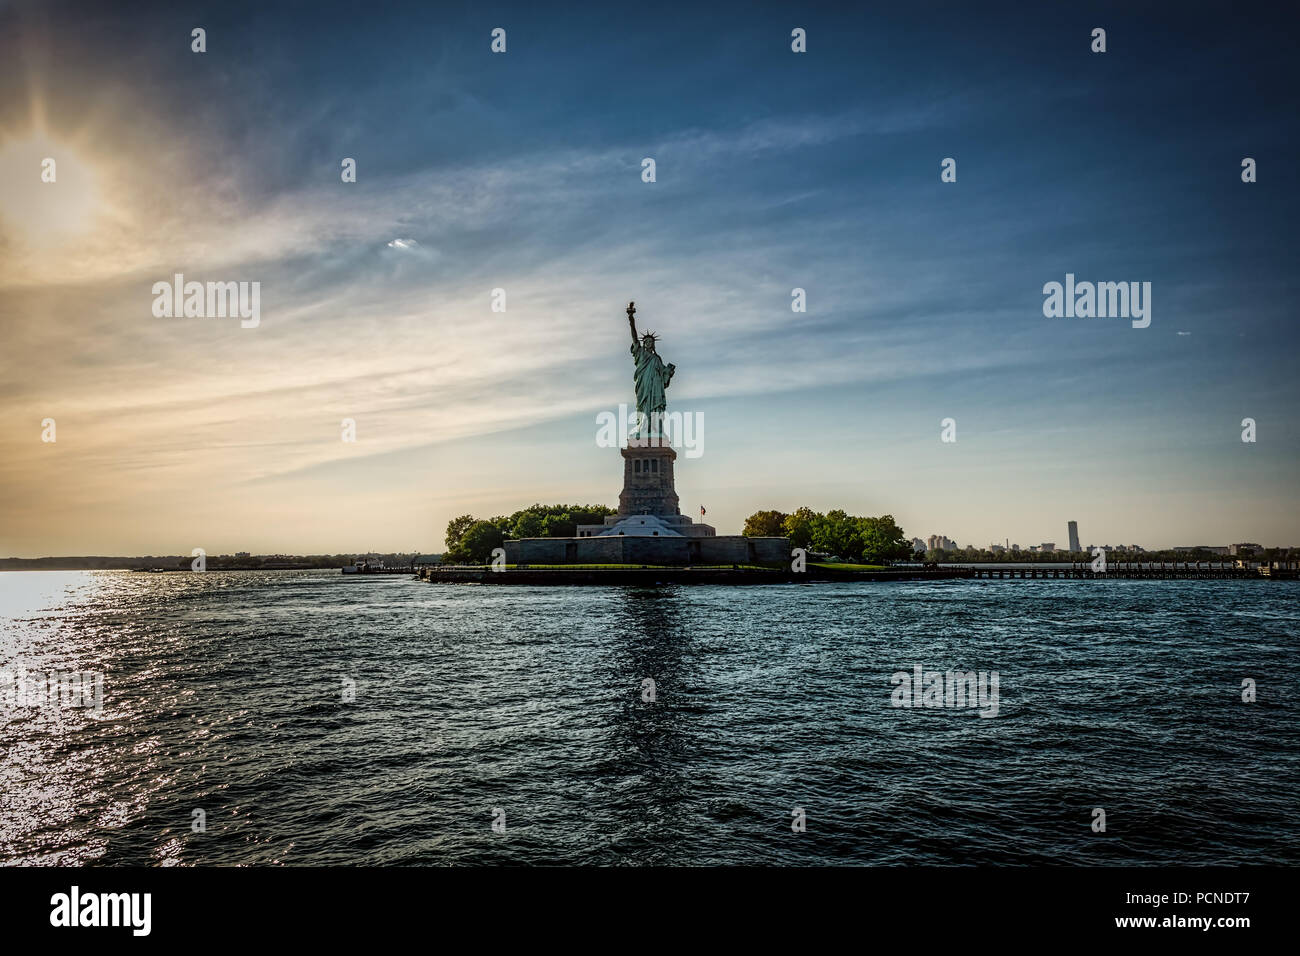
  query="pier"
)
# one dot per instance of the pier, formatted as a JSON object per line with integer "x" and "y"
{"x": 1154, "y": 570}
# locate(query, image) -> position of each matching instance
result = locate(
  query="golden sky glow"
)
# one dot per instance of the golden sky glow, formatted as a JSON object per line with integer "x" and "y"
{"x": 53, "y": 195}
{"x": 525, "y": 174}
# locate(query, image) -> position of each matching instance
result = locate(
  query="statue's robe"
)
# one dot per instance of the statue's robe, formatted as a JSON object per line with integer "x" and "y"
{"x": 651, "y": 378}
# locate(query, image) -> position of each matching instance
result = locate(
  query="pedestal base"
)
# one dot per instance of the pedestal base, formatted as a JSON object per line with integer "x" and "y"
{"x": 648, "y": 486}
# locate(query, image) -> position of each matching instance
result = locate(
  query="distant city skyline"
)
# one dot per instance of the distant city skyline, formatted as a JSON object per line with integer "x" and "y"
{"x": 939, "y": 542}
{"x": 932, "y": 543}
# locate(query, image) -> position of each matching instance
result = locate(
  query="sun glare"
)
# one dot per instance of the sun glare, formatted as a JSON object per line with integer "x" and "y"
{"x": 46, "y": 192}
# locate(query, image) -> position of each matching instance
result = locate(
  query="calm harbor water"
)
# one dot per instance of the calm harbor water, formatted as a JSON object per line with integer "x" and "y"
{"x": 225, "y": 693}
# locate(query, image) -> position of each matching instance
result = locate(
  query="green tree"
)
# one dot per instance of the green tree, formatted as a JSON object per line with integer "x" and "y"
{"x": 765, "y": 524}
{"x": 882, "y": 540}
{"x": 531, "y": 522}
{"x": 590, "y": 514}
{"x": 798, "y": 526}
{"x": 456, "y": 529}
{"x": 837, "y": 533}
{"x": 478, "y": 542}
{"x": 559, "y": 526}
{"x": 527, "y": 524}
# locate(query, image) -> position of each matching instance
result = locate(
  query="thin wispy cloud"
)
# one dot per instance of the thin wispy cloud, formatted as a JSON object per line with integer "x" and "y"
{"x": 924, "y": 299}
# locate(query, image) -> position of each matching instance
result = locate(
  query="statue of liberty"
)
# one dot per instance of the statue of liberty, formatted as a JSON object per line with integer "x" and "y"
{"x": 651, "y": 377}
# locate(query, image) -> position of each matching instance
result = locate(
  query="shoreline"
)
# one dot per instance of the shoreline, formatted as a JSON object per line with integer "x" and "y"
{"x": 622, "y": 577}
{"x": 696, "y": 574}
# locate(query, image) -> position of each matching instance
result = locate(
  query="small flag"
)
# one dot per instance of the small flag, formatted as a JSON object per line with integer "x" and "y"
{"x": 702, "y": 512}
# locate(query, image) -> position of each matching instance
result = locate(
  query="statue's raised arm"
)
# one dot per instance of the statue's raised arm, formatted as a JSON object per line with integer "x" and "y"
{"x": 631, "y": 321}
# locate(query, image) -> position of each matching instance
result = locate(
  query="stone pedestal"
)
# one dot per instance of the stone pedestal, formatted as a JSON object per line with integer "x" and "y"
{"x": 649, "y": 528}
{"x": 648, "y": 487}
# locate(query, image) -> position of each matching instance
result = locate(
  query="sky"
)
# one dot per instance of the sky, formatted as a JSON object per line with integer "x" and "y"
{"x": 522, "y": 171}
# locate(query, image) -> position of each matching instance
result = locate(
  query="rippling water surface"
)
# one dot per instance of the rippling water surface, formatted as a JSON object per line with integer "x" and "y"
{"x": 224, "y": 692}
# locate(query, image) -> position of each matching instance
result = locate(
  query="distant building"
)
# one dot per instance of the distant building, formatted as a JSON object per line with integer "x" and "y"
{"x": 918, "y": 544}
{"x": 1244, "y": 548}
{"x": 1073, "y": 527}
{"x": 1047, "y": 546}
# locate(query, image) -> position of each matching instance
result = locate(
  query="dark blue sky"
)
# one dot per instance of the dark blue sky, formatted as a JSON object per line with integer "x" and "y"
{"x": 774, "y": 170}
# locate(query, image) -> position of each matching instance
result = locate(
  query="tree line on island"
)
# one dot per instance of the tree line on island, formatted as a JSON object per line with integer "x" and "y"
{"x": 836, "y": 533}
{"x": 851, "y": 538}
{"x": 471, "y": 540}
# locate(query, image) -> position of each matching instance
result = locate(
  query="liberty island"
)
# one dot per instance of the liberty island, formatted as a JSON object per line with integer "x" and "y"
{"x": 648, "y": 527}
